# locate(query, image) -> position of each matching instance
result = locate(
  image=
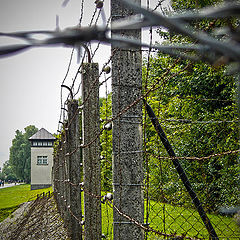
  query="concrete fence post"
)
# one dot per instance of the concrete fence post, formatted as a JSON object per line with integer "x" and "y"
{"x": 66, "y": 173}
{"x": 91, "y": 152}
{"x": 61, "y": 176}
{"x": 74, "y": 170}
{"x": 56, "y": 176}
{"x": 127, "y": 133}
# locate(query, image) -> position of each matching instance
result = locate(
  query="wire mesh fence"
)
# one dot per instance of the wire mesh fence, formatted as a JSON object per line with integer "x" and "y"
{"x": 195, "y": 136}
{"x": 161, "y": 147}
{"x": 198, "y": 116}
{"x": 211, "y": 167}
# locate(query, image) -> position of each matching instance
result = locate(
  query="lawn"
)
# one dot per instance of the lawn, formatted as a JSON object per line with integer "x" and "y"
{"x": 182, "y": 221}
{"x": 162, "y": 217}
{"x": 12, "y": 197}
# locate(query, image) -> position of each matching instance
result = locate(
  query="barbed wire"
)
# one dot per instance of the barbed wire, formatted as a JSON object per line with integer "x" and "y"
{"x": 66, "y": 181}
{"x": 147, "y": 228}
{"x": 176, "y": 23}
{"x": 76, "y": 37}
{"x": 231, "y": 152}
{"x": 187, "y": 121}
{"x": 86, "y": 52}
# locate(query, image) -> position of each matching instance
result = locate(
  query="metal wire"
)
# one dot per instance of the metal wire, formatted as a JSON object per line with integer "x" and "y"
{"x": 166, "y": 200}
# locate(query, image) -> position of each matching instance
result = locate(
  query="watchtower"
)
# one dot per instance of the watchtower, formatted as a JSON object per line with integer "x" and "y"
{"x": 41, "y": 159}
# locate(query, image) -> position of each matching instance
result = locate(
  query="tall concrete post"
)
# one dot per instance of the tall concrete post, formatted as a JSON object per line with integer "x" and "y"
{"x": 55, "y": 177}
{"x": 74, "y": 170}
{"x": 65, "y": 175}
{"x": 127, "y": 133}
{"x": 91, "y": 152}
{"x": 61, "y": 179}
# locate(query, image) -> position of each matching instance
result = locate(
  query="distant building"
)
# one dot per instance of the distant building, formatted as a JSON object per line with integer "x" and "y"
{"x": 41, "y": 159}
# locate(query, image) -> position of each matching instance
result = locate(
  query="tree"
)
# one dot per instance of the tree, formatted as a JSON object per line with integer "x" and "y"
{"x": 20, "y": 153}
{"x": 7, "y": 172}
{"x": 190, "y": 4}
{"x": 196, "y": 105}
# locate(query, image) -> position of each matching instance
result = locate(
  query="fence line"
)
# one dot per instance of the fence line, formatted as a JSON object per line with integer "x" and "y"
{"x": 160, "y": 183}
{"x": 144, "y": 196}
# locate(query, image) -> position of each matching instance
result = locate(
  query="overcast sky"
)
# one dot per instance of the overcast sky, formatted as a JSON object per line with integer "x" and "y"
{"x": 30, "y": 81}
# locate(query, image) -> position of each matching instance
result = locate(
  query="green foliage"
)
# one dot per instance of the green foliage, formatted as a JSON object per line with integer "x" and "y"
{"x": 2, "y": 177}
{"x": 20, "y": 153}
{"x": 106, "y": 143}
{"x": 210, "y": 26}
{"x": 195, "y": 105}
{"x": 5, "y": 212}
{"x": 7, "y": 172}
{"x": 192, "y": 4}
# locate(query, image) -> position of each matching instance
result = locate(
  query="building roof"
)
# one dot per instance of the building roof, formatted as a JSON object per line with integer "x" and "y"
{"x": 42, "y": 134}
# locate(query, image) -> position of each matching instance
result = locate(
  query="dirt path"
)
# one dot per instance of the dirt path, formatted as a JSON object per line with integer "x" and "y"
{"x": 34, "y": 220}
{"x": 6, "y": 185}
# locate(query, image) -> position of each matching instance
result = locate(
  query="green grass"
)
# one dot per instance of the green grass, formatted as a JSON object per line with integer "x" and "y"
{"x": 12, "y": 197}
{"x": 182, "y": 221}
{"x": 171, "y": 219}
{"x": 163, "y": 217}
{"x": 5, "y": 212}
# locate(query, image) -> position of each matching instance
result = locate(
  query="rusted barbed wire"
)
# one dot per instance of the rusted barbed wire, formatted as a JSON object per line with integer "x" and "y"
{"x": 231, "y": 152}
{"x": 148, "y": 228}
{"x": 188, "y": 121}
{"x": 179, "y": 51}
{"x": 157, "y": 80}
{"x": 176, "y": 23}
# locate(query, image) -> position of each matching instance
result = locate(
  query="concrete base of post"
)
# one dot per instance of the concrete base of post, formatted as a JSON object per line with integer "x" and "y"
{"x": 40, "y": 186}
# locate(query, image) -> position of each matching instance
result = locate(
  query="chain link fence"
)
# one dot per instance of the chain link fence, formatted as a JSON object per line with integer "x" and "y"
{"x": 171, "y": 126}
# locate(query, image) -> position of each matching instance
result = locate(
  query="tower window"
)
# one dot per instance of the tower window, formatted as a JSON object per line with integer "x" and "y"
{"x": 42, "y": 143}
{"x": 42, "y": 160}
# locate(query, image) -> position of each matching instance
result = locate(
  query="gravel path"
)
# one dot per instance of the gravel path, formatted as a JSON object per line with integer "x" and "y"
{"x": 34, "y": 220}
{"x": 9, "y": 185}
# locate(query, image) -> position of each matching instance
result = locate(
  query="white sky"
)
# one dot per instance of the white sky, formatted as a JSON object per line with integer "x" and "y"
{"x": 30, "y": 81}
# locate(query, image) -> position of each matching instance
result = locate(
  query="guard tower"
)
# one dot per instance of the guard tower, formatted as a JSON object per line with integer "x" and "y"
{"x": 41, "y": 159}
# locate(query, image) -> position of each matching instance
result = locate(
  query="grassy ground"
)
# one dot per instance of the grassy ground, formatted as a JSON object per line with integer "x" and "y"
{"x": 5, "y": 212}
{"x": 182, "y": 221}
{"x": 163, "y": 217}
{"x": 12, "y": 197}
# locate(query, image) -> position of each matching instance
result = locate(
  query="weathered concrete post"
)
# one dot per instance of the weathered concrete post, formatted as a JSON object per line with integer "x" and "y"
{"x": 74, "y": 170}
{"x": 91, "y": 152}
{"x": 65, "y": 175}
{"x": 55, "y": 176}
{"x": 61, "y": 177}
{"x": 127, "y": 133}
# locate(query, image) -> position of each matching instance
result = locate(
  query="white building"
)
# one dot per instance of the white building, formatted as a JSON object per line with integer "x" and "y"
{"x": 41, "y": 159}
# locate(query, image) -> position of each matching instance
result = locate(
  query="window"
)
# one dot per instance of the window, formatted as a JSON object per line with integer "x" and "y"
{"x": 43, "y": 143}
{"x": 42, "y": 160}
